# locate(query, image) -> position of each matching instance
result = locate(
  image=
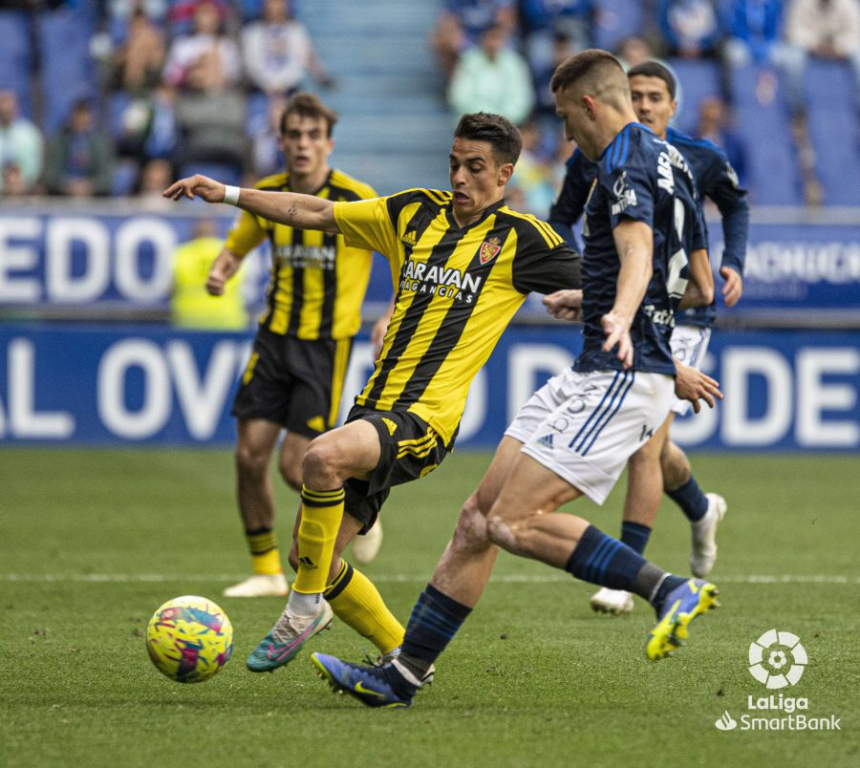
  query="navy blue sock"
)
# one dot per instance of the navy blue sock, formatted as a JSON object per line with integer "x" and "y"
{"x": 691, "y": 500}
{"x": 600, "y": 559}
{"x": 434, "y": 621}
{"x": 635, "y": 536}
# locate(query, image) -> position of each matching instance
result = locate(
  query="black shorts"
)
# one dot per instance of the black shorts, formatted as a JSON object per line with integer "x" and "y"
{"x": 410, "y": 450}
{"x": 297, "y": 384}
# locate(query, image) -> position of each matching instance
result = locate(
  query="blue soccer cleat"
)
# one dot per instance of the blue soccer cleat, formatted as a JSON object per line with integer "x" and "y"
{"x": 692, "y": 598}
{"x": 286, "y": 639}
{"x": 367, "y": 684}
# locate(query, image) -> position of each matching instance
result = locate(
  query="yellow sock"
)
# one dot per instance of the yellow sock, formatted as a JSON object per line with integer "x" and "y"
{"x": 358, "y": 604}
{"x": 321, "y": 515}
{"x": 265, "y": 558}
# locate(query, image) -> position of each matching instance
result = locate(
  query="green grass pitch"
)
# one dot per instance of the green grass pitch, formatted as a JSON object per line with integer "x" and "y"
{"x": 533, "y": 679}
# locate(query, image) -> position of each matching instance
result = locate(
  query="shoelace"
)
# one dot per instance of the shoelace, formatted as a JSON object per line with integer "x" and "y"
{"x": 283, "y": 631}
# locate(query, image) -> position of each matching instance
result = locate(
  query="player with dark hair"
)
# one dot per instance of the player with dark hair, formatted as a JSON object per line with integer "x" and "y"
{"x": 294, "y": 378}
{"x": 661, "y": 466}
{"x": 462, "y": 263}
{"x": 573, "y": 437}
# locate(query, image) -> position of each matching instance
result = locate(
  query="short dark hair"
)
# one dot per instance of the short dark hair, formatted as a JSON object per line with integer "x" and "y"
{"x": 655, "y": 69}
{"x": 588, "y": 63}
{"x": 498, "y": 131}
{"x": 308, "y": 105}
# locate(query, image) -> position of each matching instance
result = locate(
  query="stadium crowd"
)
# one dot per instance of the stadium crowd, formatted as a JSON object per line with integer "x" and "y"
{"x": 183, "y": 85}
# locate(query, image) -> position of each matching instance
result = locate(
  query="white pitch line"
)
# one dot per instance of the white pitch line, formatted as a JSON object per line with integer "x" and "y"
{"x": 511, "y": 578}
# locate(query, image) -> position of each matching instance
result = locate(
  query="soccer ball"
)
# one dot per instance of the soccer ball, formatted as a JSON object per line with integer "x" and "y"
{"x": 189, "y": 639}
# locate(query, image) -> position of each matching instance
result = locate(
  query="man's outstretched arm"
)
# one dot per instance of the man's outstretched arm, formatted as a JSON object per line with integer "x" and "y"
{"x": 290, "y": 208}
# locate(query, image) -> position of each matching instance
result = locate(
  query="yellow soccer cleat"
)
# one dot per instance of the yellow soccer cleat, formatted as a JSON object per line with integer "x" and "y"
{"x": 692, "y": 598}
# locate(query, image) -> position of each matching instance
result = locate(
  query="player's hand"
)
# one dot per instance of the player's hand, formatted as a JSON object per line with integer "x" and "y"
{"x": 377, "y": 334}
{"x": 695, "y": 386}
{"x": 734, "y": 287}
{"x": 196, "y": 186}
{"x": 617, "y": 330}
{"x": 223, "y": 268}
{"x": 564, "y": 305}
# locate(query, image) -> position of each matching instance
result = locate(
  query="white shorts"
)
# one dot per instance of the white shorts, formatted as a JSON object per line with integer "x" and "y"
{"x": 584, "y": 426}
{"x": 689, "y": 345}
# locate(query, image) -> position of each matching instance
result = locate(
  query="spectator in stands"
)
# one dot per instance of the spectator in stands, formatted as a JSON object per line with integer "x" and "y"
{"x": 755, "y": 27}
{"x": 544, "y": 20}
{"x": 690, "y": 28}
{"x": 562, "y": 48}
{"x": 828, "y": 29}
{"x": 714, "y": 125}
{"x": 21, "y": 146}
{"x": 463, "y": 22}
{"x": 154, "y": 177}
{"x": 492, "y": 78}
{"x": 533, "y": 180}
{"x": 138, "y": 61}
{"x": 12, "y": 181}
{"x": 206, "y": 60}
{"x": 278, "y": 52}
{"x": 634, "y": 50}
{"x": 79, "y": 160}
{"x": 212, "y": 126}
{"x": 148, "y": 126}
{"x": 265, "y": 133}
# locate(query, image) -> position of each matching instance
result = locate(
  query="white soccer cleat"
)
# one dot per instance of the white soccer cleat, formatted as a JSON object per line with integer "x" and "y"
{"x": 614, "y": 601}
{"x": 704, "y": 552}
{"x": 260, "y": 585}
{"x": 366, "y": 548}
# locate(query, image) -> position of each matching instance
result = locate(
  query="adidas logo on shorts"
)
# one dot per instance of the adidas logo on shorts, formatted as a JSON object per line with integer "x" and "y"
{"x": 546, "y": 440}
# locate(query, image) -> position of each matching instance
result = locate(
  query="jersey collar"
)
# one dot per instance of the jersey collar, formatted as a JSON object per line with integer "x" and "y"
{"x": 452, "y": 222}
{"x": 316, "y": 191}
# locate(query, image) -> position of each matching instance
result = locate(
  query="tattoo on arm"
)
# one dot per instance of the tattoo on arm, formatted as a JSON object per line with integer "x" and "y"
{"x": 292, "y": 212}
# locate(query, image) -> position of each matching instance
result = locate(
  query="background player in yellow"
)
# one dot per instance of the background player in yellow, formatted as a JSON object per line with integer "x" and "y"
{"x": 191, "y": 304}
{"x": 462, "y": 263}
{"x": 294, "y": 378}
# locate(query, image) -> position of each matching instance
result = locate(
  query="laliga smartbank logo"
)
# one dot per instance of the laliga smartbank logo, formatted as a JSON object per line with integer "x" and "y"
{"x": 777, "y": 660}
{"x": 776, "y": 672}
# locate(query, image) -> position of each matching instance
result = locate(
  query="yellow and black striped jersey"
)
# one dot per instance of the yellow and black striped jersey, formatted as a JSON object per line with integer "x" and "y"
{"x": 457, "y": 289}
{"x": 317, "y": 282}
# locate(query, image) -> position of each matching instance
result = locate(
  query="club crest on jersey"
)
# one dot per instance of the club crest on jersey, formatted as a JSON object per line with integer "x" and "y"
{"x": 490, "y": 249}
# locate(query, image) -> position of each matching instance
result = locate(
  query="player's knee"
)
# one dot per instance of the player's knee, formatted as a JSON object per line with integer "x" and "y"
{"x": 471, "y": 532}
{"x": 320, "y": 462}
{"x": 251, "y": 463}
{"x": 291, "y": 472}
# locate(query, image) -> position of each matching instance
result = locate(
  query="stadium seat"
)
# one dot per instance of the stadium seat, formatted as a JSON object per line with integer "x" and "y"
{"x": 224, "y": 172}
{"x": 699, "y": 78}
{"x": 68, "y": 74}
{"x": 617, "y": 19}
{"x": 16, "y": 57}
{"x": 833, "y": 130}
{"x": 774, "y": 177}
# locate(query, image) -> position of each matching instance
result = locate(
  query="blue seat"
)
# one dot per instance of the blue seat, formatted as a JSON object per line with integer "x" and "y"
{"x": 774, "y": 175}
{"x": 224, "y": 172}
{"x": 617, "y": 19}
{"x": 16, "y": 57}
{"x": 68, "y": 74}
{"x": 698, "y": 79}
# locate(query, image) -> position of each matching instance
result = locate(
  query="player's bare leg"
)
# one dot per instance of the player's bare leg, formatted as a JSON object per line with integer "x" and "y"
{"x": 467, "y": 562}
{"x": 705, "y": 511}
{"x": 255, "y": 443}
{"x": 644, "y": 491}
